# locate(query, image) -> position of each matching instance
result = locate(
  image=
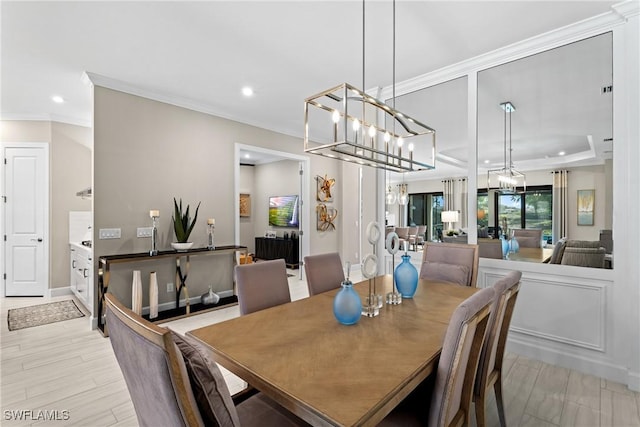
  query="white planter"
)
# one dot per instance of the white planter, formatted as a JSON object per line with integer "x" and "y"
{"x": 181, "y": 246}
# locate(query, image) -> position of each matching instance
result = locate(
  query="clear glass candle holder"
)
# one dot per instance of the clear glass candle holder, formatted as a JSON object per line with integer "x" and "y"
{"x": 154, "y": 236}
{"x": 210, "y": 240}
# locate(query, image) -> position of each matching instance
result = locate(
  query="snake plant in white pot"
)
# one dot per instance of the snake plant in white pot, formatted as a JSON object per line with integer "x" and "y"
{"x": 183, "y": 225}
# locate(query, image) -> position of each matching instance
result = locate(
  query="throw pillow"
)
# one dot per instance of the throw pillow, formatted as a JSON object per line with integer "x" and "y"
{"x": 208, "y": 385}
{"x": 454, "y": 273}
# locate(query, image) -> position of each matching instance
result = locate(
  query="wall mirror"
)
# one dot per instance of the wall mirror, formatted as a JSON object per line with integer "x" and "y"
{"x": 562, "y": 121}
{"x": 443, "y": 107}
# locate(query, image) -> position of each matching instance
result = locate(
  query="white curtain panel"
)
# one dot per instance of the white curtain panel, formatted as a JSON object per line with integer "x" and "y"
{"x": 454, "y": 192}
{"x": 448, "y": 193}
{"x": 136, "y": 293}
{"x": 560, "y": 204}
{"x": 464, "y": 218}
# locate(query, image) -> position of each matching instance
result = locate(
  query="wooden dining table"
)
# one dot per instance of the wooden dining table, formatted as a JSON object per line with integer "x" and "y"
{"x": 332, "y": 374}
{"x": 531, "y": 254}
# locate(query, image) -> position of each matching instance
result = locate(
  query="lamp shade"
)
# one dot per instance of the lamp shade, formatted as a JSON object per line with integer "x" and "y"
{"x": 449, "y": 216}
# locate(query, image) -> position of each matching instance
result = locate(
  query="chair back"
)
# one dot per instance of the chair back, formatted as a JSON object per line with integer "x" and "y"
{"x": 455, "y": 375}
{"x": 402, "y": 232}
{"x": 450, "y": 262}
{"x": 583, "y": 257}
{"x": 324, "y": 272}
{"x": 528, "y": 237}
{"x": 262, "y": 285}
{"x": 490, "y": 248}
{"x": 558, "y": 251}
{"x": 606, "y": 240}
{"x": 491, "y": 357}
{"x": 153, "y": 369}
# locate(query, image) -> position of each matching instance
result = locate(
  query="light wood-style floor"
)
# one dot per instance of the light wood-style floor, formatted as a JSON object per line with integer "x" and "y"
{"x": 67, "y": 367}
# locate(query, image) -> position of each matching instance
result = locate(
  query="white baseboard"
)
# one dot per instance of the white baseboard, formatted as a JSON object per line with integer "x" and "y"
{"x": 93, "y": 322}
{"x": 581, "y": 363}
{"x": 59, "y": 292}
{"x": 634, "y": 381}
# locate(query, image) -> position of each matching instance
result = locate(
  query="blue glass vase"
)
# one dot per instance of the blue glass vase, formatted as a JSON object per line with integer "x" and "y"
{"x": 406, "y": 277}
{"x": 505, "y": 247}
{"x": 347, "y": 306}
{"x": 515, "y": 246}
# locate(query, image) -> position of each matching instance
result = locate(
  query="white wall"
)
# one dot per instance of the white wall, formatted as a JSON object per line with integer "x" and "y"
{"x": 247, "y": 227}
{"x": 273, "y": 179}
{"x": 69, "y": 172}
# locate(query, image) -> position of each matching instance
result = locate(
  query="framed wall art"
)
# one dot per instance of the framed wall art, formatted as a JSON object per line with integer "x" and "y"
{"x": 245, "y": 205}
{"x": 323, "y": 188}
{"x": 586, "y": 201}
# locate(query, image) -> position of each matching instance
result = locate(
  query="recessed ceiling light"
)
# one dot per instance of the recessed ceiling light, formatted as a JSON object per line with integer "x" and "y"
{"x": 247, "y": 91}
{"x": 57, "y": 99}
{"x": 246, "y": 156}
{"x": 486, "y": 161}
{"x": 562, "y": 153}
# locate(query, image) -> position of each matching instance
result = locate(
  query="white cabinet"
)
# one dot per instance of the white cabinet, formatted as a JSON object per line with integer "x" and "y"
{"x": 81, "y": 275}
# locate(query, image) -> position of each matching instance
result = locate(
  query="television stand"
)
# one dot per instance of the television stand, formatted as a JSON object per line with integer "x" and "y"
{"x": 275, "y": 248}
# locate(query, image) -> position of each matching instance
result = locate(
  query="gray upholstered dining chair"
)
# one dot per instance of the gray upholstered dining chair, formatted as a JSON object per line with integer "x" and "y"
{"x": 558, "y": 251}
{"x": 492, "y": 355}
{"x": 421, "y": 235}
{"x": 450, "y": 262}
{"x": 490, "y": 248}
{"x": 413, "y": 236}
{"x": 174, "y": 381}
{"x": 583, "y": 257}
{"x": 403, "y": 236}
{"x": 262, "y": 285}
{"x": 324, "y": 272}
{"x": 528, "y": 237}
{"x": 450, "y": 392}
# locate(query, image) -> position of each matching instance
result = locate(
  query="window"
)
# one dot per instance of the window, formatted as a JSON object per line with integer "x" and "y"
{"x": 425, "y": 209}
{"x": 526, "y": 209}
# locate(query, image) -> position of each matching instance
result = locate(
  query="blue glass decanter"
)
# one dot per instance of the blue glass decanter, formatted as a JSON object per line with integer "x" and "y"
{"x": 347, "y": 306}
{"x": 406, "y": 277}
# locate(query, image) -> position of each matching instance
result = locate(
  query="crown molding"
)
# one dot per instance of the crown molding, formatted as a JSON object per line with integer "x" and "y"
{"x": 580, "y": 30}
{"x": 178, "y": 101}
{"x": 46, "y": 117}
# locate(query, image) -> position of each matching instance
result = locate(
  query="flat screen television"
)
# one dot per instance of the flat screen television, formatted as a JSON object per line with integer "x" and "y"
{"x": 283, "y": 211}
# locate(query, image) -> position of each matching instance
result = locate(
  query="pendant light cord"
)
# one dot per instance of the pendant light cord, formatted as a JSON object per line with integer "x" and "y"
{"x": 505, "y": 139}
{"x": 364, "y": 88}
{"x": 394, "y": 58}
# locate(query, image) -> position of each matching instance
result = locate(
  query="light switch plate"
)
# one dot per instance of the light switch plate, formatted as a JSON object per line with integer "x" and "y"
{"x": 109, "y": 233}
{"x": 144, "y": 231}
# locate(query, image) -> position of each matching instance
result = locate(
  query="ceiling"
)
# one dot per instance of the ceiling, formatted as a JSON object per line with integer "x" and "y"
{"x": 201, "y": 54}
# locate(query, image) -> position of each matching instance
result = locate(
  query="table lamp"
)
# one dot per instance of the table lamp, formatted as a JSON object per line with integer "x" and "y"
{"x": 450, "y": 217}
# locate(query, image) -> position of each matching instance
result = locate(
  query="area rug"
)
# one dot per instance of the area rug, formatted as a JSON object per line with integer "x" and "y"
{"x": 42, "y": 314}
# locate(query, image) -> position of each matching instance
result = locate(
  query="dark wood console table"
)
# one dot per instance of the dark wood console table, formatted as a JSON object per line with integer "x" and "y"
{"x": 275, "y": 248}
{"x": 182, "y": 271}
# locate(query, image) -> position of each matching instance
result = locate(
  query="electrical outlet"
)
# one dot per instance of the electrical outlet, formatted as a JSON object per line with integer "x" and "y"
{"x": 109, "y": 233}
{"x": 144, "y": 231}
{"x": 170, "y": 287}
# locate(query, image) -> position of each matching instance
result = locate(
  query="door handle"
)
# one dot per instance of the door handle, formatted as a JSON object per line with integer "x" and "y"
{"x": 39, "y": 239}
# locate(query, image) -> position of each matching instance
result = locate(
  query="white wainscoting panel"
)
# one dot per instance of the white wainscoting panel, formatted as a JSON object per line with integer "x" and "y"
{"x": 563, "y": 315}
{"x": 570, "y": 313}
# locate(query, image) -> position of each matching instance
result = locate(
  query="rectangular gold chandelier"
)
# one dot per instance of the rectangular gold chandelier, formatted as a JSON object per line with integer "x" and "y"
{"x": 345, "y": 123}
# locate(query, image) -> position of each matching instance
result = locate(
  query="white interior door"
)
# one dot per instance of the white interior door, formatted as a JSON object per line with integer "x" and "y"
{"x": 26, "y": 219}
